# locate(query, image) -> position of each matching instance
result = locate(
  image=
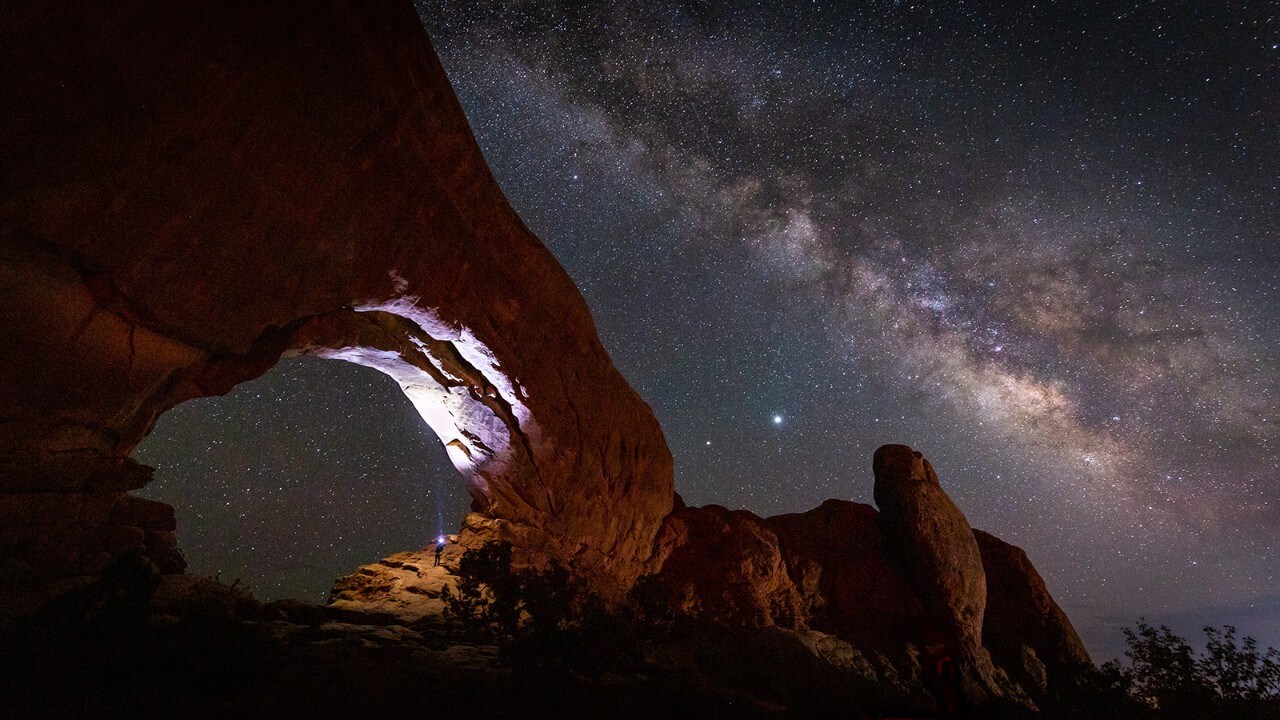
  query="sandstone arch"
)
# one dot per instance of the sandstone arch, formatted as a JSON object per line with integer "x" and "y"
{"x": 191, "y": 191}
{"x": 170, "y": 227}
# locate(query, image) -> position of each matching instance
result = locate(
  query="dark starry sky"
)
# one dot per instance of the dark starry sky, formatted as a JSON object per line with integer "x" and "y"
{"x": 1036, "y": 241}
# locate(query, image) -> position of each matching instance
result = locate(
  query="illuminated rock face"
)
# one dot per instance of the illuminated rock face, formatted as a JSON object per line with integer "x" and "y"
{"x": 193, "y": 190}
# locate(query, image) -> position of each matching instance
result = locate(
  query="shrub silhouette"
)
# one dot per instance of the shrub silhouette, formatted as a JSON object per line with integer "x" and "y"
{"x": 102, "y": 649}
{"x": 1164, "y": 677}
{"x": 487, "y": 600}
{"x": 545, "y": 621}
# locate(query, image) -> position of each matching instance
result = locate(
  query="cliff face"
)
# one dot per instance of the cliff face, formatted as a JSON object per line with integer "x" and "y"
{"x": 192, "y": 190}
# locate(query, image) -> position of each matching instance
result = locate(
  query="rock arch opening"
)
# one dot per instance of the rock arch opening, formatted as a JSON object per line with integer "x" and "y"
{"x": 295, "y": 478}
{"x": 456, "y": 387}
{"x": 329, "y": 202}
{"x": 452, "y": 380}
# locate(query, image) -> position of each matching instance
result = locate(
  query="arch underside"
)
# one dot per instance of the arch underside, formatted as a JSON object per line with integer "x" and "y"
{"x": 179, "y": 212}
{"x": 484, "y": 433}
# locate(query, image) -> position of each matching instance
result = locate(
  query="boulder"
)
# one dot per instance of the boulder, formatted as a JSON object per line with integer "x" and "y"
{"x": 835, "y": 554}
{"x": 929, "y": 539}
{"x": 724, "y": 567}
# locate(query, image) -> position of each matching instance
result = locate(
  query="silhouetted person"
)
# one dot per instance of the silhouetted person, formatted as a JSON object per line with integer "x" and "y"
{"x": 440, "y": 541}
{"x": 944, "y": 679}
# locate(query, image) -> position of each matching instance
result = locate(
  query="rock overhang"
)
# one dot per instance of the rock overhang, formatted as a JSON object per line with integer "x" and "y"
{"x": 238, "y": 181}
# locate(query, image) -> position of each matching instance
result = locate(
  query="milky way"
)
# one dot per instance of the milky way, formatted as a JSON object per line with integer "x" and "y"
{"x": 1038, "y": 245}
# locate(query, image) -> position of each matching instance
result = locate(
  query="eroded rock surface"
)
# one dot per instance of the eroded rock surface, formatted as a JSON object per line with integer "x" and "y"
{"x": 1025, "y": 630}
{"x": 724, "y": 567}
{"x": 908, "y": 581}
{"x": 192, "y": 190}
{"x": 836, "y": 555}
{"x": 929, "y": 539}
{"x": 406, "y": 587}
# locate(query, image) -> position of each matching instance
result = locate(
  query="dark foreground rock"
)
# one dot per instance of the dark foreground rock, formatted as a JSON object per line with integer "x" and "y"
{"x": 189, "y": 647}
{"x": 903, "y": 604}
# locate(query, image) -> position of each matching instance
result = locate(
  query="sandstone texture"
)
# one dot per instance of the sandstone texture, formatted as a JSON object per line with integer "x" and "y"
{"x": 406, "y": 587}
{"x": 836, "y": 553}
{"x": 930, "y": 540}
{"x": 907, "y": 582}
{"x": 724, "y": 567}
{"x": 1025, "y": 630}
{"x": 192, "y": 190}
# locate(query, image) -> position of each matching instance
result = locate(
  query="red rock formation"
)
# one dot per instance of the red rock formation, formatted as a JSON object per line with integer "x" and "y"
{"x": 912, "y": 573}
{"x": 193, "y": 189}
{"x": 836, "y": 556}
{"x": 930, "y": 541}
{"x": 725, "y": 567}
{"x": 407, "y": 587}
{"x": 1025, "y": 630}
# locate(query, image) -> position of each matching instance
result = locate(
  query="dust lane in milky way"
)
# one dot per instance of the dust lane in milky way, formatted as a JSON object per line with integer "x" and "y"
{"x": 1038, "y": 245}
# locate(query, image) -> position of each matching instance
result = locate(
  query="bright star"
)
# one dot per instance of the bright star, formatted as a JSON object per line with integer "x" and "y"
{"x": 777, "y": 419}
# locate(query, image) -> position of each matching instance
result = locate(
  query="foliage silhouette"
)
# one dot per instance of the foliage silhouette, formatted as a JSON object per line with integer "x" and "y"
{"x": 545, "y": 621}
{"x": 1163, "y": 677}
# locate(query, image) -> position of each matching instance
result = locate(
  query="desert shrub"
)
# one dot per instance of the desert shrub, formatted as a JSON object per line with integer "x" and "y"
{"x": 649, "y": 604}
{"x": 487, "y": 600}
{"x": 545, "y": 621}
{"x": 1163, "y": 676}
{"x": 1240, "y": 673}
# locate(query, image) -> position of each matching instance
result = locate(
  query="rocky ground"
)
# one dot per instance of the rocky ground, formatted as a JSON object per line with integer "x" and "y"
{"x": 402, "y": 588}
{"x": 187, "y": 646}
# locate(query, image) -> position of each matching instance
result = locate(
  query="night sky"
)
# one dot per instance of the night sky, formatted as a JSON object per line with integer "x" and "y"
{"x": 1036, "y": 241}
